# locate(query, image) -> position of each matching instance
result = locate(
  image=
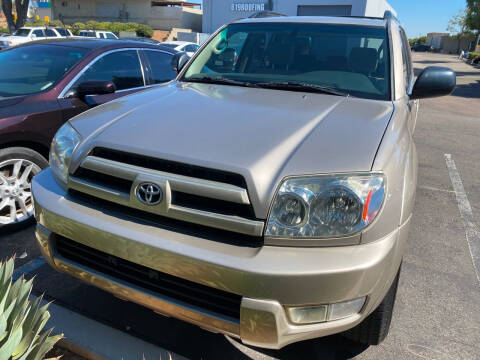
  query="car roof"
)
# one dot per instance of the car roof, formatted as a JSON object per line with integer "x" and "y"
{"x": 98, "y": 44}
{"x": 337, "y": 20}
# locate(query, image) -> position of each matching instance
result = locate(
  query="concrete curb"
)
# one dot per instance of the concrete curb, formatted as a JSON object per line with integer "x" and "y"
{"x": 96, "y": 341}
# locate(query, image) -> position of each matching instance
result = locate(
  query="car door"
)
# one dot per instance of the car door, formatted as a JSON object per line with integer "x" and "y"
{"x": 123, "y": 67}
{"x": 413, "y": 105}
{"x": 158, "y": 66}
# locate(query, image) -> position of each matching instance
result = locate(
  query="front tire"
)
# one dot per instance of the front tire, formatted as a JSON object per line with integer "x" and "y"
{"x": 18, "y": 166}
{"x": 374, "y": 329}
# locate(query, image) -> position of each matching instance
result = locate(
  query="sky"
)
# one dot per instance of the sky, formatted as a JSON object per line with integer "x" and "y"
{"x": 420, "y": 17}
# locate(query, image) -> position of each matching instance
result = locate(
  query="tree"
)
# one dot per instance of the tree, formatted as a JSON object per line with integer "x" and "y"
{"x": 457, "y": 25}
{"x": 21, "y": 7}
{"x": 473, "y": 15}
{"x": 422, "y": 40}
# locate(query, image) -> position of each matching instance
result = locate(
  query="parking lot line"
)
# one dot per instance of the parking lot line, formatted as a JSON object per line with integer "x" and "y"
{"x": 28, "y": 268}
{"x": 471, "y": 230}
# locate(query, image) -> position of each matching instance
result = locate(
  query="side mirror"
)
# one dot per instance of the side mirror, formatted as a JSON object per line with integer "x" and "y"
{"x": 179, "y": 61}
{"x": 434, "y": 81}
{"x": 95, "y": 88}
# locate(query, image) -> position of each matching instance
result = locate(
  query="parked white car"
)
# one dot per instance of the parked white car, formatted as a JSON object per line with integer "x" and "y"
{"x": 26, "y": 34}
{"x": 185, "y": 46}
{"x": 98, "y": 34}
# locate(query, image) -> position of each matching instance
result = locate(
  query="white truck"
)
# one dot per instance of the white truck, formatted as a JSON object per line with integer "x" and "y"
{"x": 26, "y": 34}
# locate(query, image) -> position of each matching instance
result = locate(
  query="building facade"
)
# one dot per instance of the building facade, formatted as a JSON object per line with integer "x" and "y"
{"x": 218, "y": 12}
{"x": 159, "y": 14}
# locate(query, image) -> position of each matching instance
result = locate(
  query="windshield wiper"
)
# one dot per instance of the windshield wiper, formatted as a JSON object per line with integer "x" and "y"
{"x": 302, "y": 86}
{"x": 220, "y": 81}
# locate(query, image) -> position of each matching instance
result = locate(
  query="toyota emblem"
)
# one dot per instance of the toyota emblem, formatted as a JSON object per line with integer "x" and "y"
{"x": 149, "y": 193}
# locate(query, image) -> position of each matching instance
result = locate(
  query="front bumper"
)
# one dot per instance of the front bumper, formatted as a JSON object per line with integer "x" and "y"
{"x": 268, "y": 278}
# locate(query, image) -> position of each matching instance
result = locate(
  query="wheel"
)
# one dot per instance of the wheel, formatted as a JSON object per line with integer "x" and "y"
{"x": 374, "y": 329}
{"x": 18, "y": 166}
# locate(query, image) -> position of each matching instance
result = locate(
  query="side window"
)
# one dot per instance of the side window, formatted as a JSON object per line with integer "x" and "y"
{"x": 110, "y": 36}
{"x": 121, "y": 67}
{"x": 50, "y": 33}
{"x": 161, "y": 66}
{"x": 38, "y": 33}
{"x": 407, "y": 59}
{"x": 101, "y": 36}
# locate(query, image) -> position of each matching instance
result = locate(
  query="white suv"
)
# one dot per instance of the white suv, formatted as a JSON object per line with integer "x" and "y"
{"x": 98, "y": 34}
{"x": 26, "y": 34}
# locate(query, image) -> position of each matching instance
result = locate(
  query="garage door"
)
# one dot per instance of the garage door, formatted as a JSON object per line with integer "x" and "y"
{"x": 324, "y": 10}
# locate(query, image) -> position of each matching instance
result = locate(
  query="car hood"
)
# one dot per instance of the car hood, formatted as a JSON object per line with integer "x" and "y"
{"x": 261, "y": 134}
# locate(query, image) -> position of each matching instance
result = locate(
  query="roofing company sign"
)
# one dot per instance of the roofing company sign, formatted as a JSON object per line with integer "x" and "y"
{"x": 241, "y": 7}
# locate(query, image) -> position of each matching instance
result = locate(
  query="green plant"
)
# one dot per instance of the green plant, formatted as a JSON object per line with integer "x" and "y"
{"x": 21, "y": 323}
{"x": 144, "y": 31}
{"x": 4, "y": 31}
{"x": 473, "y": 55}
{"x": 115, "y": 27}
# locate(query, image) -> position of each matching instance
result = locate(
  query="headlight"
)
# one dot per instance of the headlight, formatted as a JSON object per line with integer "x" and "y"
{"x": 325, "y": 206}
{"x": 61, "y": 150}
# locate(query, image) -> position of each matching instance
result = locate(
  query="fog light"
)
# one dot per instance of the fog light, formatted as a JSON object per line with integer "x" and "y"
{"x": 308, "y": 314}
{"x": 321, "y": 313}
{"x": 345, "y": 309}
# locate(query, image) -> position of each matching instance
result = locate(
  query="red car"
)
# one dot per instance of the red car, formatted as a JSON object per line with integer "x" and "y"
{"x": 43, "y": 84}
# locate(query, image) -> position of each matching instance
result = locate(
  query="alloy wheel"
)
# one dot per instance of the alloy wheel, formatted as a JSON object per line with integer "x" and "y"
{"x": 16, "y": 203}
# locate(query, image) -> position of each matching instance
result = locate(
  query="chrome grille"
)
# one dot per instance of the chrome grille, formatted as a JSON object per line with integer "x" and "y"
{"x": 198, "y": 200}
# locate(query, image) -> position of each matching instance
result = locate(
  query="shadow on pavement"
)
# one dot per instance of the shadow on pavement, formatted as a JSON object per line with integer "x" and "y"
{"x": 432, "y": 62}
{"x": 471, "y": 90}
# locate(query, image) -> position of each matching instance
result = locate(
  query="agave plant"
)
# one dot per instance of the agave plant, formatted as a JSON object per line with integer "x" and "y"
{"x": 21, "y": 322}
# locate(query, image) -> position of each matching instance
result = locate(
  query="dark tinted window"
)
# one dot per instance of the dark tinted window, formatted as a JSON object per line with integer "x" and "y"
{"x": 38, "y": 33}
{"x": 101, "y": 35}
{"x": 50, "y": 33}
{"x": 22, "y": 32}
{"x": 350, "y": 58}
{"x": 35, "y": 68}
{"x": 62, "y": 31}
{"x": 161, "y": 66}
{"x": 121, "y": 67}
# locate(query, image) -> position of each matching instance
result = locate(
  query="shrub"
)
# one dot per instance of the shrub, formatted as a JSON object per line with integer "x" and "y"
{"x": 473, "y": 55}
{"x": 115, "y": 27}
{"x": 21, "y": 323}
{"x": 144, "y": 31}
{"x": 4, "y": 31}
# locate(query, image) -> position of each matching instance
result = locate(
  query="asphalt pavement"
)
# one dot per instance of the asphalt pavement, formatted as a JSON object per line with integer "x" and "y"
{"x": 437, "y": 314}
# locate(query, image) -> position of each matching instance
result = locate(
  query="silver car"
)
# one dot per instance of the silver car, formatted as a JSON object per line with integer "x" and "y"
{"x": 265, "y": 194}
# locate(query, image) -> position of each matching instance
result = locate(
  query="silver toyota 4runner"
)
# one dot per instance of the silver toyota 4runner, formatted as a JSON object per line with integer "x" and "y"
{"x": 265, "y": 194}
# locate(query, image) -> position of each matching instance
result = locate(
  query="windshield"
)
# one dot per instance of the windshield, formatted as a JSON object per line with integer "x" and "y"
{"x": 173, "y": 46}
{"x": 22, "y": 32}
{"x": 35, "y": 68}
{"x": 349, "y": 58}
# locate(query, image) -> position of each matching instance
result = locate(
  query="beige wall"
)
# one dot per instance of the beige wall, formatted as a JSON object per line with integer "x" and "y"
{"x": 139, "y": 11}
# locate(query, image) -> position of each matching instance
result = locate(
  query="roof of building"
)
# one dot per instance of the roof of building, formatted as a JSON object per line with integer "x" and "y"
{"x": 318, "y": 19}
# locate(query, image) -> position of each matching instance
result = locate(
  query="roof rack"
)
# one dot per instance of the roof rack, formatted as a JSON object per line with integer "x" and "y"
{"x": 265, "y": 14}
